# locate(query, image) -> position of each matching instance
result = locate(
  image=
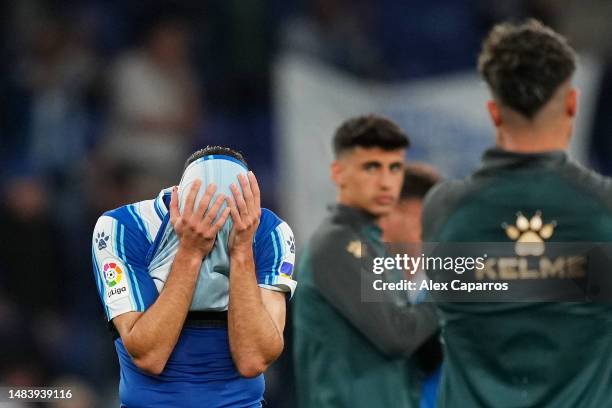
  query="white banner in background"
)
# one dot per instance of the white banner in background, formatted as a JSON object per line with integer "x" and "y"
{"x": 445, "y": 118}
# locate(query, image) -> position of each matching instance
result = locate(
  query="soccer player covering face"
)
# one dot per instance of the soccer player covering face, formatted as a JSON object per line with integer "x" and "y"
{"x": 351, "y": 353}
{"x": 194, "y": 284}
{"x": 527, "y": 194}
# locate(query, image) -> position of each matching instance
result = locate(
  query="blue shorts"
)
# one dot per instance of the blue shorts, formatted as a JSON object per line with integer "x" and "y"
{"x": 199, "y": 373}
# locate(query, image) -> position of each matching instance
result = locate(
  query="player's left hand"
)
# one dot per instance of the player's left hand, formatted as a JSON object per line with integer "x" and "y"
{"x": 245, "y": 210}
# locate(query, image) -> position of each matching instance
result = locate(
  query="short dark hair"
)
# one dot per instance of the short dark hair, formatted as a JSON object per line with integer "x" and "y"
{"x": 210, "y": 150}
{"x": 419, "y": 178}
{"x": 369, "y": 131}
{"x": 525, "y": 64}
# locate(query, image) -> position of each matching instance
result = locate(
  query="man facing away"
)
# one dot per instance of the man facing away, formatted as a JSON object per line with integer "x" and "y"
{"x": 198, "y": 303}
{"x": 348, "y": 352}
{"x": 525, "y": 354}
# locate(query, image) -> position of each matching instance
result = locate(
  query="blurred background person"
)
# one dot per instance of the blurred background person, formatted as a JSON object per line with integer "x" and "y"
{"x": 403, "y": 223}
{"x": 521, "y": 349}
{"x": 154, "y": 108}
{"x": 29, "y": 300}
{"x": 332, "y": 321}
{"x": 402, "y": 229}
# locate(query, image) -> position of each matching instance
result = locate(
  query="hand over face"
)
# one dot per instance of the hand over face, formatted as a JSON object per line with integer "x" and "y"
{"x": 245, "y": 210}
{"x": 196, "y": 227}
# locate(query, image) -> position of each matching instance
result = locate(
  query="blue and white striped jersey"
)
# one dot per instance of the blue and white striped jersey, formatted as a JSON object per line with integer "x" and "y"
{"x": 129, "y": 274}
{"x": 133, "y": 249}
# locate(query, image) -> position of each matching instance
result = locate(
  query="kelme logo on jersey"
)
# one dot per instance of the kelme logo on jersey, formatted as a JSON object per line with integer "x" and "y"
{"x": 529, "y": 234}
{"x": 101, "y": 240}
{"x": 112, "y": 273}
{"x": 354, "y": 247}
{"x": 291, "y": 244}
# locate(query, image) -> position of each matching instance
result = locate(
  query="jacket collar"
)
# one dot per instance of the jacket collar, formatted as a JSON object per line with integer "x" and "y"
{"x": 354, "y": 217}
{"x": 497, "y": 159}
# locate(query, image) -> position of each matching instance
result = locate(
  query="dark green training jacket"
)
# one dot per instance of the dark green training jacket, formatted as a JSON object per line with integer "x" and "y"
{"x": 350, "y": 353}
{"x": 524, "y": 354}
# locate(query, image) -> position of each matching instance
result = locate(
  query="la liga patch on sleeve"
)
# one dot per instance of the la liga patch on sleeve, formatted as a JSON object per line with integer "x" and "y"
{"x": 115, "y": 278}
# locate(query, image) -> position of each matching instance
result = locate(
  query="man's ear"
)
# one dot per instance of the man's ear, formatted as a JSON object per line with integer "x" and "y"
{"x": 494, "y": 112}
{"x": 571, "y": 102}
{"x": 336, "y": 172}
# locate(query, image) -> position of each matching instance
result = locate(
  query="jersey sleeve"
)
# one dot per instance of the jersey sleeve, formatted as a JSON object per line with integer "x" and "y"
{"x": 391, "y": 324}
{"x": 275, "y": 256}
{"x": 121, "y": 274}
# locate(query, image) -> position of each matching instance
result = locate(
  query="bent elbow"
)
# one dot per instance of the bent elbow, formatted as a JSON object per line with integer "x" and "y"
{"x": 149, "y": 365}
{"x": 251, "y": 367}
{"x": 252, "y": 364}
{"x": 149, "y": 361}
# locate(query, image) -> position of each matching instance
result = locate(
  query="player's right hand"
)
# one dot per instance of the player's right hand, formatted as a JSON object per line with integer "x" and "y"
{"x": 196, "y": 227}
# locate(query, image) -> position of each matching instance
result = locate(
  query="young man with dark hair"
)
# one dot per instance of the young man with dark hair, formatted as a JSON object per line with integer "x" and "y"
{"x": 527, "y": 190}
{"x": 348, "y": 352}
{"x": 197, "y": 304}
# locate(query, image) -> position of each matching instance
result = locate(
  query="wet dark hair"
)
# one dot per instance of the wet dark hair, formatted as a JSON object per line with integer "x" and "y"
{"x": 210, "y": 150}
{"x": 525, "y": 64}
{"x": 369, "y": 131}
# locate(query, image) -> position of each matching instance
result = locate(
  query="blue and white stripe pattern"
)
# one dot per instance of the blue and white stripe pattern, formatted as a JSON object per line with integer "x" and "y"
{"x": 283, "y": 249}
{"x": 211, "y": 292}
{"x": 123, "y": 237}
{"x": 139, "y": 240}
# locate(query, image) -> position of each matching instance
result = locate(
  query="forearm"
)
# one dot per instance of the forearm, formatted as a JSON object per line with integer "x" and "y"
{"x": 153, "y": 336}
{"x": 393, "y": 326}
{"x": 150, "y": 337}
{"x": 255, "y": 340}
{"x": 394, "y": 329}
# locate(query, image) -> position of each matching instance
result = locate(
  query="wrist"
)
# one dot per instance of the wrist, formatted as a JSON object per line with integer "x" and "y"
{"x": 242, "y": 253}
{"x": 190, "y": 253}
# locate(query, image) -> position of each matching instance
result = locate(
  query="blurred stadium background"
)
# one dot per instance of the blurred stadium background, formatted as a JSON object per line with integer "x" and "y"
{"x": 101, "y": 101}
